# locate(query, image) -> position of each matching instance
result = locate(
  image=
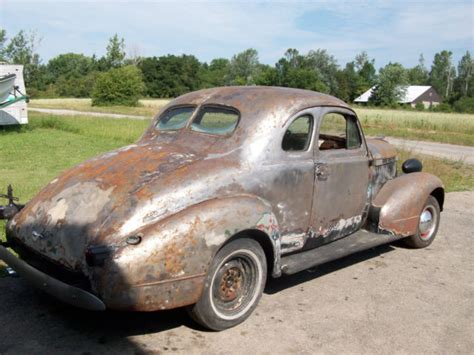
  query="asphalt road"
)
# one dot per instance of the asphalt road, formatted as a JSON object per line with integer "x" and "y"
{"x": 386, "y": 300}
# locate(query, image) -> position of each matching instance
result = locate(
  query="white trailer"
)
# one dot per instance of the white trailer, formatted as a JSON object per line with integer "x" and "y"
{"x": 13, "y": 108}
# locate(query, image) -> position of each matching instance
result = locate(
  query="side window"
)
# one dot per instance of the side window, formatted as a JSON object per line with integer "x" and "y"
{"x": 297, "y": 137}
{"x": 338, "y": 132}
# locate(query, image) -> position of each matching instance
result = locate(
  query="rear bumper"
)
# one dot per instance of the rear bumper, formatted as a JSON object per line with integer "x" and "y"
{"x": 58, "y": 289}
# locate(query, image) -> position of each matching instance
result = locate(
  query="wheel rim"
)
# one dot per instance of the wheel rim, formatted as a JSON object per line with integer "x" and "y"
{"x": 235, "y": 285}
{"x": 427, "y": 224}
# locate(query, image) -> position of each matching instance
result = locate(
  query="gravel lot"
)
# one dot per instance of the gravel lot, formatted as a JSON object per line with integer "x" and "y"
{"x": 441, "y": 150}
{"x": 382, "y": 301}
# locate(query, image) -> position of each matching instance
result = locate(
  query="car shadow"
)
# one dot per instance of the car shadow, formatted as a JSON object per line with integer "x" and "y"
{"x": 287, "y": 281}
{"x": 33, "y": 322}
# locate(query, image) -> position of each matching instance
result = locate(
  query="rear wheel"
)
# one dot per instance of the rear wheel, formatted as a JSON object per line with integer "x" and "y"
{"x": 427, "y": 226}
{"x": 233, "y": 285}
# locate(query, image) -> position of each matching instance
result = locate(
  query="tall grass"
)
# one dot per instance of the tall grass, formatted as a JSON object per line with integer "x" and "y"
{"x": 451, "y": 128}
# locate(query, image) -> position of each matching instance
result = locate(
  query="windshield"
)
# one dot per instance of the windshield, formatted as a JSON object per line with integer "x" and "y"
{"x": 175, "y": 118}
{"x": 215, "y": 120}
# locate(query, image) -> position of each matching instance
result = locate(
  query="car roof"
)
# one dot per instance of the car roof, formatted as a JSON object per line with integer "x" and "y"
{"x": 260, "y": 101}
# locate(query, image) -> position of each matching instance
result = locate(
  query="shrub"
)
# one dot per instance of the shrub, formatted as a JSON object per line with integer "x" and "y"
{"x": 465, "y": 104}
{"x": 419, "y": 106}
{"x": 442, "y": 107}
{"x": 76, "y": 86}
{"x": 120, "y": 86}
{"x": 48, "y": 93}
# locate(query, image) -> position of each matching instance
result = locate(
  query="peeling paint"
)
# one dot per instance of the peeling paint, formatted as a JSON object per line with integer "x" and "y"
{"x": 185, "y": 193}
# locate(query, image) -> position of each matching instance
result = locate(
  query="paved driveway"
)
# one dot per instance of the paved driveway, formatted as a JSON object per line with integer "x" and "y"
{"x": 382, "y": 301}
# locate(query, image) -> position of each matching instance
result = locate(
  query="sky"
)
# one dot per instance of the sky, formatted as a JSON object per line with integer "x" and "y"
{"x": 389, "y": 31}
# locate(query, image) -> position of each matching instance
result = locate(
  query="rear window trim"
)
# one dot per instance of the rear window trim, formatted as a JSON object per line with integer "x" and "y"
{"x": 216, "y": 106}
{"x": 195, "y": 107}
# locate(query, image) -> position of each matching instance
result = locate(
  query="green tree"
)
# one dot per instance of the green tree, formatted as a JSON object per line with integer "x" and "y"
{"x": 115, "y": 52}
{"x": 419, "y": 75}
{"x": 365, "y": 68}
{"x": 391, "y": 85}
{"x": 3, "y": 40}
{"x": 442, "y": 73}
{"x": 118, "y": 86}
{"x": 214, "y": 74}
{"x": 171, "y": 76}
{"x": 296, "y": 71}
{"x": 355, "y": 84}
{"x": 21, "y": 49}
{"x": 69, "y": 65}
{"x": 267, "y": 76}
{"x": 325, "y": 66}
{"x": 465, "y": 105}
{"x": 244, "y": 68}
{"x": 465, "y": 75}
{"x": 76, "y": 85}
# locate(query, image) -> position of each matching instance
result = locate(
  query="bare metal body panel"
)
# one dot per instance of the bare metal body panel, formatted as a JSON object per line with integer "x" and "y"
{"x": 184, "y": 194}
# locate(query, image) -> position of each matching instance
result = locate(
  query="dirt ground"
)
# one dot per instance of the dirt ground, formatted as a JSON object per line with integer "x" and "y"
{"x": 382, "y": 301}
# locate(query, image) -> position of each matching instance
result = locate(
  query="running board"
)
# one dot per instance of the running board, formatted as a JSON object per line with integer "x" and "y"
{"x": 356, "y": 242}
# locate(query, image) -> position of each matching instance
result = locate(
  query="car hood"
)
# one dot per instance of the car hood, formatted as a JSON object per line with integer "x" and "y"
{"x": 381, "y": 150}
{"x": 105, "y": 199}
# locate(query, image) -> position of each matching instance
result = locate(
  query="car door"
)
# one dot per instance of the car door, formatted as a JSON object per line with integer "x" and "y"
{"x": 341, "y": 165}
{"x": 293, "y": 179}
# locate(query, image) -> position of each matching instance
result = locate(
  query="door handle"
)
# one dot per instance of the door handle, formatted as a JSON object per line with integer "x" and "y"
{"x": 322, "y": 171}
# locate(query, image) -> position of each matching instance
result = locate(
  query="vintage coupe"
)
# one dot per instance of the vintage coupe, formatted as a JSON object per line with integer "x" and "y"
{"x": 226, "y": 186}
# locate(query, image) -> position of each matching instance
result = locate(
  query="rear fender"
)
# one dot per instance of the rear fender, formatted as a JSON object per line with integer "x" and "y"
{"x": 168, "y": 268}
{"x": 397, "y": 206}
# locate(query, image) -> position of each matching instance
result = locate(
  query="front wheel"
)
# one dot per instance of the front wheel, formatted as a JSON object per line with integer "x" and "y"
{"x": 427, "y": 225}
{"x": 233, "y": 286}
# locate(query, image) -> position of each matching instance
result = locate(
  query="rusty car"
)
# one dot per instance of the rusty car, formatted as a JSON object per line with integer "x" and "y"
{"x": 226, "y": 187}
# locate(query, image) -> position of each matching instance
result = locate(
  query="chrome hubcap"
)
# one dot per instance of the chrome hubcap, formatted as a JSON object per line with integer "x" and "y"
{"x": 427, "y": 223}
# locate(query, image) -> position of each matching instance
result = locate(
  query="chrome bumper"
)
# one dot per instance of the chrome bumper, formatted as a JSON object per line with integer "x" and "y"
{"x": 58, "y": 289}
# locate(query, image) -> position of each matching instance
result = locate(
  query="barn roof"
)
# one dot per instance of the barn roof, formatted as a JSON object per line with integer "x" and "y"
{"x": 411, "y": 94}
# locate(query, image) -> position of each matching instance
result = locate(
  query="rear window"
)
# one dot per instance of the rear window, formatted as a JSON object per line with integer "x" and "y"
{"x": 175, "y": 118}
{"x": 215, "y": 120}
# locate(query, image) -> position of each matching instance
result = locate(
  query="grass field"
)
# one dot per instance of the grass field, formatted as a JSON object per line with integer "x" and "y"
{"x": 33, "y": 155}
{"x": 147, "y": 108}
{"x": 441, "y": 127}
{"x": 430, "y": 126}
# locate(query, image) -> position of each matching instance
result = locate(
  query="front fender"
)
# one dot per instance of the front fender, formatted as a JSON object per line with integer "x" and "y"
{"x": 168, "y": 268}
{"x": 400, "y": 201}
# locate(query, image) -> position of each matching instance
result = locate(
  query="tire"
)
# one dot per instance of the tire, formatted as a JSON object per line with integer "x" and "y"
{"x": 427, "y": 226}
{"x": 233, "y": 286}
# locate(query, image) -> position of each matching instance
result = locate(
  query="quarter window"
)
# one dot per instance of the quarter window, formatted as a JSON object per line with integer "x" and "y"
{"x": 298, "y": 135}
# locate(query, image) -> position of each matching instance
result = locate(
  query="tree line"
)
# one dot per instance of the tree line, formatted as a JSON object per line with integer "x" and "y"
{"x": 120, "y": 77}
